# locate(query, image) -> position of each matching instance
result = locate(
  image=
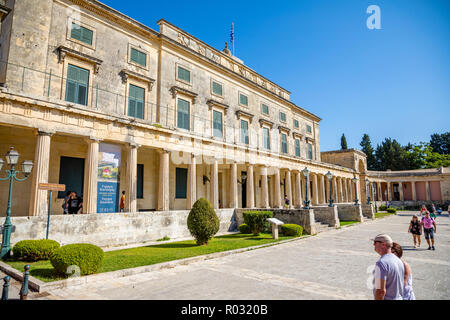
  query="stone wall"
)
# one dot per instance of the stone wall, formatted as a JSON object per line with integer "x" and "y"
{"x": 350, "y": 212}
{"x": 109, "y": 230}
{"x": 368, "y": 211}
{"x": 327, "y": 215}
{"x": 302, "y": 217}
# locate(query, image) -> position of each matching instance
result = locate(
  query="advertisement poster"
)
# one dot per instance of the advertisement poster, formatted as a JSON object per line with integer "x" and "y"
{"x": 108, "y": 178}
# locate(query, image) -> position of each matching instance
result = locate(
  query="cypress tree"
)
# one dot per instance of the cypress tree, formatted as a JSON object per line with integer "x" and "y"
{"x": 343, "y": 142}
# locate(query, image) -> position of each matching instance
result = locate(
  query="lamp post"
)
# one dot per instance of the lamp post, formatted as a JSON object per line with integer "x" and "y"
{"x": 329, "y": 176}
{"x": 356, "y": 191}
{"x": 12, "y": 157}
{"x": 306, "y": 174}
{"x": 367, "y": 191}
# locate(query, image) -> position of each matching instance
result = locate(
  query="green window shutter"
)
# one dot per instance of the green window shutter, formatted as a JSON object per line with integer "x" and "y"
{"x": 217, "y": 124}
{"x": 77, "y": 85}
{"x": 308, "y": 129}
{"x": 140, "y": 181}
{"x": 297, "y": 147}
{"x": 136, "y": 102}
{"x": 283, "y": 116}
{"x": 139, "y": 57}
{"x": 310, "y": 155}
{"x": 265, "y": 109}
{"x": 284, "y": 143}
{"x": 217, "y": 88}
{"x": 184, "y": 74}
{"x": 296, "y": 123}
{"x": 81, "y": 33}
{"x": 183, "y": 114}
{"x": 244, "y": 132}
{"x": 243, "y": 99}
{"x": 181, "y": 183}
{"x": 266, "y": 137}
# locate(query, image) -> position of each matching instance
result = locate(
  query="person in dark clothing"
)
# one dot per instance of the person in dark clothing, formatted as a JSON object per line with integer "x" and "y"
{"x": 75, "y": 203}
{"x": 65, "y": 205}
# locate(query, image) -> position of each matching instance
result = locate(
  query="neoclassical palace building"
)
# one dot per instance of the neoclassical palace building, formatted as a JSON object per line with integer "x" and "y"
{"x": 103, "y": 104}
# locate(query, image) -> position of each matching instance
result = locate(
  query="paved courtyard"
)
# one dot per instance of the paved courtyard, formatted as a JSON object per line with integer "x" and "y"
{"x": 331, "y": 265}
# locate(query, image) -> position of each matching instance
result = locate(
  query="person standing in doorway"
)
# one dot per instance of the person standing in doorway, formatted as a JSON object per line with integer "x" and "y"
{"x": 122, "y": 202}
{"x": 408, "y": 293}
{"x": 415, "y": 229}
{"x": 389, "y": 271}
{"x": 75, "y": 203}
{"x": 427, "y": 224}
{"x": 286, "y": 202}
{"x": 65, "y": 205}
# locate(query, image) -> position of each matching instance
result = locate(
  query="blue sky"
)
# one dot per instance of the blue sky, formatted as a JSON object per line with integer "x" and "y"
{"x": 393, "y": 82}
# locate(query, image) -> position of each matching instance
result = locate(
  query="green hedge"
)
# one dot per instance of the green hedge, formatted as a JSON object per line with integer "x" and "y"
{"x": 34, "y": 250}
{"x": 203, "y": 222}
{"x": 382, "y": 207}
{"x": 88, "y": 257}
{"x": 243, "y": 228}
{"x": 257, "y": 220}
{"x": 391, "y": 210}
{"x": 291, "y": 230}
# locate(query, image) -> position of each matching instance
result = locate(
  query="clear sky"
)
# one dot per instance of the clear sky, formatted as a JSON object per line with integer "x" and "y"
{"x": 393, "y": 82}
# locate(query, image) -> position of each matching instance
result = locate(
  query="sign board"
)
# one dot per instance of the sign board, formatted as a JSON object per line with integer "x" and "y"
{"x": 52, "y": 186}
{"x": 275, "y": 221}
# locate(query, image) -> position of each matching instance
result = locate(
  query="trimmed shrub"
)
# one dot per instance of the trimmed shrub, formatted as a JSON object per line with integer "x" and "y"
{"x": 391, "y": 210}
{"x": 382, "y": 207}
{"x": 291, "y": 230}
{"x": 243, "y": 228}
{"x": 34, "y": 250}
{"x": 257, "y": 220}
{"x": 203, "y": 222}
{"x": 88, "y": 257}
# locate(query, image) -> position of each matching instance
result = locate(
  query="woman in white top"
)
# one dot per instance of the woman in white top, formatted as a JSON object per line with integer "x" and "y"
{"x": 408, "y": 293}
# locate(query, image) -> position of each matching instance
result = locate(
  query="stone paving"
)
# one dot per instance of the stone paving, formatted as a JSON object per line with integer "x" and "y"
{"x": 331, "y": 265}
{"x": 14, "y": 287}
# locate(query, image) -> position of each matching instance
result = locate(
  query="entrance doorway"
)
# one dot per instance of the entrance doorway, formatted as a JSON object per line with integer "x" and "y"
{"x": 244, "y": 188}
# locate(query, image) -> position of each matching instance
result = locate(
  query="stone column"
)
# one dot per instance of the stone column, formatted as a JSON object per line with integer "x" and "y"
{"x": 389, "y": 191}
{"x": 345, "y": 190}
{"x": 289, "y": 187}
{"x": 163, "y": 190}
{"x": 38, "y": 198}
{"x": 379, "y": 194}
{"x": 298, "y": 178}
{"x": 323, "y": 197}
{"x": 413, "y": 187}
{"x": 131, "y": 196}
{"x": 264, "y": 187}
{"x": 351, "y": 188}
{"x": 428, "y": 193}
{"x": 191, "y": 196}
{"x": 335, "y": 189}
{"x": 339, "y": 182}
{"x": 277, "y": 196}
{"x": 91, "y": 174}
{"x": 315, "y": 193}
{"x": 250, "y": 187}
{"x": 400, "y": 190}
{"x": 234, "y": 186}
{"x": 215, "y": 184}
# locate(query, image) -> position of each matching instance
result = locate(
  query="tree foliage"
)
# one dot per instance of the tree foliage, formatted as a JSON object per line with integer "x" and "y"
{"x": 343, "y": 142}
{"x": 368, "y": 150}
{"x": 440, "y": 143}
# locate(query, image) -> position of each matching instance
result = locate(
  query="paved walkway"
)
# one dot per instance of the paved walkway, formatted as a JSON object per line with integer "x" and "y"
{"x": 14, "y": 287}
{"x": 331, "y": 265}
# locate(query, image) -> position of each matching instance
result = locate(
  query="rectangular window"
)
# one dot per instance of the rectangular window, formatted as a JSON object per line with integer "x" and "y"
{"x": 284, "y": 143}
{"x": 244, "y": 132}
{"x": 184, "y": 74}
{"x": 71, "y": 173}
{"x": 77, "y": 85}
{"x": 82, "y": 34}
{"x": 308, "y": 129}
{"x": 265, "y": 109}
{"x": 136, "y": 102}
{"x": 217, "y": 124}
{"x": 217, "y": 88}
{"x": 266, "y": 138}
{"x": 243, "y": 99}
{"x": 138, "y": 57}
{"x": 296, "y": 125}
{"x": 310, "y": 154}
{"x": 140, "y": 181}
{"x": 297, "y": 147}
{"x": 283, "y": 116}
{"x": 183, "y": 114}
{"x": 181, "y": 183}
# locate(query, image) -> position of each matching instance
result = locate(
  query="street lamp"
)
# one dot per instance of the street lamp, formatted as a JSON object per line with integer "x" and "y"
{"x": 356, "y": 192}
{"x": 329, "y": 176}
{"x": 12, "y": 158}
{"x": 306, "y": 174}
{"x": 367, "y": 191}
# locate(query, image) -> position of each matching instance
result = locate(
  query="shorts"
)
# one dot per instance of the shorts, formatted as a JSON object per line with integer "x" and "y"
{"x": 429, "y": 233}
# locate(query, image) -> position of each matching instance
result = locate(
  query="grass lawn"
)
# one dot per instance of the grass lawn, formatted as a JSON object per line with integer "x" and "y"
{"x": 143, "y": 256}
{"x": 383, "y": 214}
{"x": 345, "y": 223}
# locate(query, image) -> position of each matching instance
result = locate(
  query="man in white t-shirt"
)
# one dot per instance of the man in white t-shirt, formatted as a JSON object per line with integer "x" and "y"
{"x": 389, "y": 271}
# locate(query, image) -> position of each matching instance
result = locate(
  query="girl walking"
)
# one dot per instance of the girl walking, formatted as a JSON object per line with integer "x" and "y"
{"x": 416, "y": 230}
{"x": 408, "y": 293}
